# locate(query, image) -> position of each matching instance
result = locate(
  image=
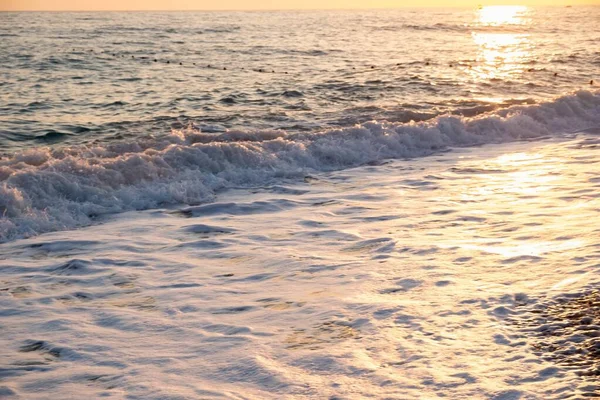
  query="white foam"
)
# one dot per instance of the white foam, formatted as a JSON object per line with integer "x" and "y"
{"x": 48, "y": 189}
{"x": 416, "y": 279}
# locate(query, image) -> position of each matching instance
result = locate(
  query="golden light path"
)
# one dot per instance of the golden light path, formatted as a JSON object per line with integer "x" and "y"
{"x": 525, "y": 176}
{"x": 502, "y": 15}
{"x": 503, "y": 42}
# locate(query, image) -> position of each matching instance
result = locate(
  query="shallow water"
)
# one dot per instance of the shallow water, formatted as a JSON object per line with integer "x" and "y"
{"x": 395, "y": 280}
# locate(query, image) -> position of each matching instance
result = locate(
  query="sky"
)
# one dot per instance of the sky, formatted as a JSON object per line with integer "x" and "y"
{"x": 76, "y": 5}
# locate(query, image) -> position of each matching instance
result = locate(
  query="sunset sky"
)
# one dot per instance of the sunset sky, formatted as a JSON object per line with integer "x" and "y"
{"x": 258, "y": 4}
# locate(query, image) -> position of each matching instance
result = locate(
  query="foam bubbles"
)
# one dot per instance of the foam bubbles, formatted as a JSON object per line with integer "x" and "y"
{"x": 48, "y": 189}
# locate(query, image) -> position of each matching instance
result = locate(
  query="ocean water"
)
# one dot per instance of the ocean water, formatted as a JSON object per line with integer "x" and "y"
{"x": 314, "y": 204}
{"x": 71, "y": 78}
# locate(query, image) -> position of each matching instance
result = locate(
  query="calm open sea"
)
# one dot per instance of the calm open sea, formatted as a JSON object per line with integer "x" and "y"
{"x": 70, "y": 78}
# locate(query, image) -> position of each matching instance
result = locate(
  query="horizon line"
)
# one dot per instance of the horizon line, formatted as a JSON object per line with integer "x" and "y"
{"x": 304, "y": 9}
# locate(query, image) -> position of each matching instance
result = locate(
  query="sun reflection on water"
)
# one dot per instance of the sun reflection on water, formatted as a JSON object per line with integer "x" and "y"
{"x": 525, "y": 180}
{"x": 505, "y": 48}
{"x": 502, "y": 15}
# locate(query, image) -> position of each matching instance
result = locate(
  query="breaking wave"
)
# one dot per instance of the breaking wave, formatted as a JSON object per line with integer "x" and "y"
{"x": 49, "y": 189}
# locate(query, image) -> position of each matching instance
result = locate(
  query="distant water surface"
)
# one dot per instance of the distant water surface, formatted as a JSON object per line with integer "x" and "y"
{"x": 82, "y": 77}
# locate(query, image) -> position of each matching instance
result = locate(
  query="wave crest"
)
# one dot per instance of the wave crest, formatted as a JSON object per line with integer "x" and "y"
{"x": 46, "y": 189}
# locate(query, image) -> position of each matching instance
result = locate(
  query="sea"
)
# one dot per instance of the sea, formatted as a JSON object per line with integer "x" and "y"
{"x": 340, "y": 204}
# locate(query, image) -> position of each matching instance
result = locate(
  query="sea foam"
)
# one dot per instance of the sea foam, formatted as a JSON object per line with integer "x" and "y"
{"x": 49, "y": 189}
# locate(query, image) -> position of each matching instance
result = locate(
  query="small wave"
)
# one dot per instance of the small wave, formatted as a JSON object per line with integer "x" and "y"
{"x": 416, "y": 27}
{"x": 228, "y": 100}
{"x": 219, "y": 29}
{"x": 36, "y": 105}
{"x": 454, "y": 28}
{"x": 118, "y": 103}
{"x": 292, "y": 93}
{"x": 314, "y": 53}
{"x": 51, "y": 136}
{"x": 78, "y": 129}
{"x": 49, "y": 189}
